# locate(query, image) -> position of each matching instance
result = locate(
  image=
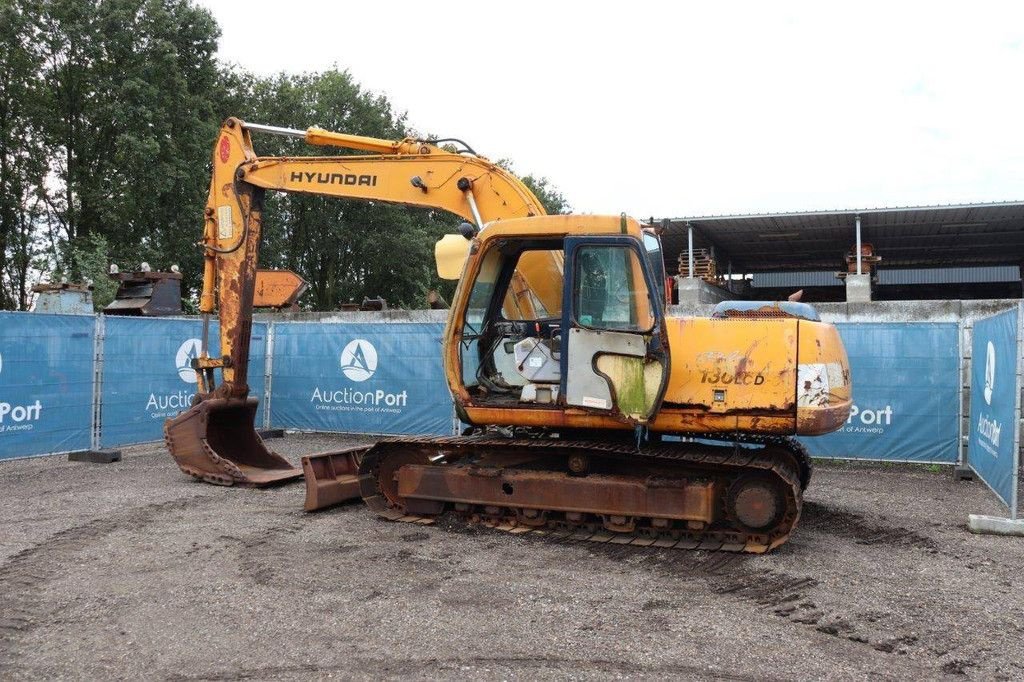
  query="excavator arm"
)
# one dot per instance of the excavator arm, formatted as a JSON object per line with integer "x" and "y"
{"x": 212, "y": 441}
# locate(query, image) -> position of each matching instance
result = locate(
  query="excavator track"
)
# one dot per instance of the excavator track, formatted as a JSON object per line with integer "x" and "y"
{"x": 683, "y": 495}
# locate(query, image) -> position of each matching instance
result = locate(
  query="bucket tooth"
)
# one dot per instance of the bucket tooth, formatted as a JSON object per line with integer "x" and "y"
{"x": 216, "y": 441}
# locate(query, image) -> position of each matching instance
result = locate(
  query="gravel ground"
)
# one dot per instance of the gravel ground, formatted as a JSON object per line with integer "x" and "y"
{"x": 132, "y": 570}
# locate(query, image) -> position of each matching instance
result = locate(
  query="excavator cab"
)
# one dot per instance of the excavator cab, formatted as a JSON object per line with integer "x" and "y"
{"x": 574, "y": 322}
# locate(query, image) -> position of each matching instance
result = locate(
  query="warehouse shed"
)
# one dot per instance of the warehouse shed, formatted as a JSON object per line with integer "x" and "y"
{"x": 950, "y": 252}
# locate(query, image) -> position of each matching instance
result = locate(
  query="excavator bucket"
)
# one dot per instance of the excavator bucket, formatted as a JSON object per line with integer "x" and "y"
{"x": 332, "y": 477}
{"x": 216, "y": 441}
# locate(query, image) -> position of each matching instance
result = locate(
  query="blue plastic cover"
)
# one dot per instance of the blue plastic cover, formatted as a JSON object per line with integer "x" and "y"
{"x": 361, "y": 378}
{"x": 147, "y": 377}
{"x": 992, "y": 450}
{"x": 905, "y": 394}
{"x": 46, "y": 366}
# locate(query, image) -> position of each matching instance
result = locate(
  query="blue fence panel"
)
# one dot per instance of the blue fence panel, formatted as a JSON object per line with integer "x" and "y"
{"x": 906, "y": 394}
{"x": 376, "y": 378}
{"x": 147, "y": 377}
{"x": 46, "y": 367}
{"x": 992, "y": 447}
{"x": 366, "y": 378}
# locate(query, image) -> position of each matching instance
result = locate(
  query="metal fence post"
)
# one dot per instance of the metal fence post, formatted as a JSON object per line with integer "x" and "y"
{"x": 1016, "y": 413}
{"x": 960, "y": 394}
{"x": 857, "y": 228}
{"x": 268, "y": 373}
{"x": 99, "y": 335}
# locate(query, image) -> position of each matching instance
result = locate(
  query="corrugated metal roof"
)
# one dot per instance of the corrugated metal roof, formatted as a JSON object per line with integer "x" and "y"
{"x": 950, "y": 236}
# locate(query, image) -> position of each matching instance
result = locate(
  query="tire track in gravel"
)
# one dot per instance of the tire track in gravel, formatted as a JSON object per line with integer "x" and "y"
{"x": 26, "y": 571}
{"x": 785, "y": 596}
{"x": 861, "y": 627}
{"x": 791, "y": 598}
{"x": 380, "y": 668}
{"x": 262, "y": 555}
{"x": 863, "y": 531}
{"x": 788, "y": 597}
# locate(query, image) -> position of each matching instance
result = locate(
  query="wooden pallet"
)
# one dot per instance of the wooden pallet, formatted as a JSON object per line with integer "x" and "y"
{"x": 703, "y": 265}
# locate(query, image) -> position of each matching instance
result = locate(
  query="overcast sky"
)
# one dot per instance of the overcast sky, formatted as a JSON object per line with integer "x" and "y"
{"x": 667, "y": 110}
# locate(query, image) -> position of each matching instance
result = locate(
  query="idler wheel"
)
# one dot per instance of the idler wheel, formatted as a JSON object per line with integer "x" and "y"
{"x": 387, "y": 475}
{"x": 757, "y": 504}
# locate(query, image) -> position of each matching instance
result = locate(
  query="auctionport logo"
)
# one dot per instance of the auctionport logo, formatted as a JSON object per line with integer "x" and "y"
{"x": 187, "y": 352}
{"x": 359, "y": 360}
{"x": 990, "y": 372}
{"x": 163, "y": 405}
{"x": 989, "y": 427}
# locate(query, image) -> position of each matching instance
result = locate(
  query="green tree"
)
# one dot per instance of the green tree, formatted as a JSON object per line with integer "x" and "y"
{"x": 130, "y": 118}
{"x": 22, "y": 160}
{"x": 553, "y": 201}
{"x": 88, "y": 258}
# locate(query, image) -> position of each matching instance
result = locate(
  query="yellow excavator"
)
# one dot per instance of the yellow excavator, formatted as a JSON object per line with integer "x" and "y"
{"x": 590, "y": 412}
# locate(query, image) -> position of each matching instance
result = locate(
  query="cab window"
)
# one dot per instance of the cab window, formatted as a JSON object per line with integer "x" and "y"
{"x": 610, "y": 290}
{"x": 535, "y": 289}
{"x": 476, "y": 313}
{"x": 483, "y": 289}
{"x": 527, "y": 282}
{"x": 652, "y": 246}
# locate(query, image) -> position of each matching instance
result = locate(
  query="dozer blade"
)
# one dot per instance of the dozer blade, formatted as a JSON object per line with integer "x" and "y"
{"x": 216, "y": 441}
{"x": 332, "y": 477}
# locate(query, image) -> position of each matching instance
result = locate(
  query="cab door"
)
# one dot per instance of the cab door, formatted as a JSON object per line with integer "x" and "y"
{"x": 615, "y": 358}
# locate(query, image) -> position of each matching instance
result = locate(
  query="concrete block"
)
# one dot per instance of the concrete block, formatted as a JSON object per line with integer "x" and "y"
{"x": 95, "y": 456}
{"x": 963, "y": 473}
{"x": 64, "y": 299}
{"x": 995, "y": 525}
{"x": 693, "y": 291}
{"x": 858, "y": 288}
{"x": 270, "y": 433}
